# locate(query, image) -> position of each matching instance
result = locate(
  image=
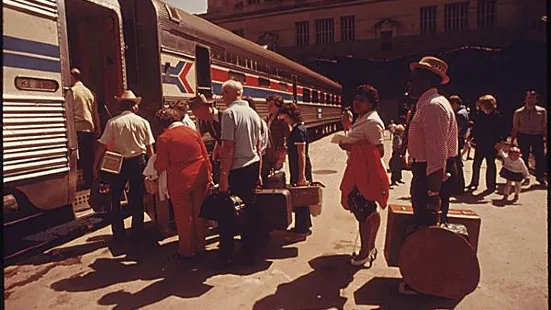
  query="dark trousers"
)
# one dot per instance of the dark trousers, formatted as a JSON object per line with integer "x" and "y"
{"x": 459, "y": 182}
{"x": 303, "y": 220}
{"x": 131, "y": 171}
{"x": 395, "y": 167}
{"x": 533, "y": 143}
{"x": 242, "y": 182}
{"x": 419, "y": 196}
{"x": 490, "y": 157}
{"x": 86, "y": 148}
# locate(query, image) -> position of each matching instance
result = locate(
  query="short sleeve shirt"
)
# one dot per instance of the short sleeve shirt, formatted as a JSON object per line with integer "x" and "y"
{"x": 298, "y": 135}
{"x": 242, "y": 125}
{"x": 369, "y": 127}
{"x": 127, "y": 134}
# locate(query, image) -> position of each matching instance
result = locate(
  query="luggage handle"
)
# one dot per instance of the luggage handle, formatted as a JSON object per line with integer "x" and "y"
{"x": 314, "y": 183}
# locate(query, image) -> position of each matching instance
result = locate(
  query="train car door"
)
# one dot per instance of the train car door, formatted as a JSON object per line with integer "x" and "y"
{"x": 94, "y": 39}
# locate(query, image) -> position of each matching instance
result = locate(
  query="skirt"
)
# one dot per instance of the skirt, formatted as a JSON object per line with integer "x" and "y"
{"x": 360, "y": 207}
{"x": 510, "y": 175}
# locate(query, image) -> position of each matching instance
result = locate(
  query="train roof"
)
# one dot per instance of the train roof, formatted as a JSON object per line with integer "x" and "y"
{"x": 203, "y": 30}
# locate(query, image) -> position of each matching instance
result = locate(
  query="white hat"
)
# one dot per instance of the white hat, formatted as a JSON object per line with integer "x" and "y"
{"x": 128, "y": 95}
{"x": 434, "y": 65}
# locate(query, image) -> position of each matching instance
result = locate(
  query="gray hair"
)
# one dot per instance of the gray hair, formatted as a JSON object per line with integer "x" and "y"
{"x": 233, "y": 84}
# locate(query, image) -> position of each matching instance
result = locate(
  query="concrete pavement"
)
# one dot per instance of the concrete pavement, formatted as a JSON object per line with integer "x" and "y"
{"x": 86, "y": 274}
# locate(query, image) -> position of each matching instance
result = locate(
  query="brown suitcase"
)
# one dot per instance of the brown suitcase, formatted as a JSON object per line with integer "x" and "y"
{"x": 275, "y": 208}
{"x": 308, "y": 195}
{"x": 400, "y": 217}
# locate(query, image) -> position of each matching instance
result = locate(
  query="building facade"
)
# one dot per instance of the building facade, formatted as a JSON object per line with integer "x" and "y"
{"x": 355, "y": 41}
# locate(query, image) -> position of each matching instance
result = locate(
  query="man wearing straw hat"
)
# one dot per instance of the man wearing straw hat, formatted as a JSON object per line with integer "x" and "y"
{"x": 432, "y": 140}
{"x": 129, "y": 135}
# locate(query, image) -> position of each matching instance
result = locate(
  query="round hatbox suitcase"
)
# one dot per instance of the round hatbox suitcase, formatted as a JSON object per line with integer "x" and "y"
{"x": 439, "y": 262}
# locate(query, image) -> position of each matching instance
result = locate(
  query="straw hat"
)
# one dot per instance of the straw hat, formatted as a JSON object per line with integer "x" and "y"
{"x": 434, "y": 65}
{"x": 128, "y": 95}
{"x": 199, "y": 100}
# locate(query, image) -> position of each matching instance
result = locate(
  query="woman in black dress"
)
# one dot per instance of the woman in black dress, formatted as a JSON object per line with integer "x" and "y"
{"x": 299, "y": 163}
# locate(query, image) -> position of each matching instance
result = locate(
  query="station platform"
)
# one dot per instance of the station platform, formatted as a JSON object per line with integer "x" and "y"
{"x": 89, "y": 273}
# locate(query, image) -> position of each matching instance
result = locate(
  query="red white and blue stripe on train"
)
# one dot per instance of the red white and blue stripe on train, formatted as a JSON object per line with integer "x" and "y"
{"x": 182, "y": 76}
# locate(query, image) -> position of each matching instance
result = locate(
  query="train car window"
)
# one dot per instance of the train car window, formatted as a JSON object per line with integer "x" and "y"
{"x": 306, "y": 95}
{"x": 241, "y": 61}
{"x": 202, "y": 65}
{"x": 263, "y": 82}
{"x": 331, "y": 99}
{"x": 322, "y": 97}
{"x": 315, "y": 97}
{"x": 283, "y": 86}
{"x": 238, "y": 76}
{"x": 173, "y": 14}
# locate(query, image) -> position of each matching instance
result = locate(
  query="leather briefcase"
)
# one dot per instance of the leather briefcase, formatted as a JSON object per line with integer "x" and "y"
{"x": 275, "y": 208}
{"x": 308, "y": 195}
{"x": 439, "y": 262}
{"x": 276, "y": 180}
{"x": 400, "y": 220}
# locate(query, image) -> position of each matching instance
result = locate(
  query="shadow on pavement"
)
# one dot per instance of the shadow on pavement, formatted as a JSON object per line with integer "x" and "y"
{"x": 322, "y": 172}
{"x": 146, "y": 260}
{"x": 319, "y": 289}
{"x": 383, "y": 292}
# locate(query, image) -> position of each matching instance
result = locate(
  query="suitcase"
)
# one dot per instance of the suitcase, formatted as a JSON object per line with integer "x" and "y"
{"x": 453, "y": 268}
{"x": 275, "y": 208}
{"x": 276, "y": 180}
{"x": 309, "y": 195}
{"x": 400, "y": 220}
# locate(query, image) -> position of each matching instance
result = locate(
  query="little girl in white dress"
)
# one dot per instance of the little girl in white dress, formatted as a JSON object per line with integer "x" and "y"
{"x": 514, "y": 170}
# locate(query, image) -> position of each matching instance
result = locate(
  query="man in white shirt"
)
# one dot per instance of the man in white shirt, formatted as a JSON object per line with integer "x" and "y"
{"x": 240, "y": 167}
{"x": 129, "y": 135}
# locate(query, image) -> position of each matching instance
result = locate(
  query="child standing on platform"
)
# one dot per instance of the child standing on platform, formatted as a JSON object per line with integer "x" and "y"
{"x": 395, "y": 160}
{"x": 514, "y": 170}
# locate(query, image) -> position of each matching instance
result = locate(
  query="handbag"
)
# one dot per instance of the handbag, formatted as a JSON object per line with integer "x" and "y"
{"x": 222, "y": 206}
{"x": 151, "y": 186}
{"x": 111, "y": 162}
{"x": 100, "y": 197}
{"x": 309, "y": 195}
{"x": 359, "y": 206}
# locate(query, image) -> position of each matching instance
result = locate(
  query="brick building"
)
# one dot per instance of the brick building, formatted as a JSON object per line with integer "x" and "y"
{"x": 486, "y": 42}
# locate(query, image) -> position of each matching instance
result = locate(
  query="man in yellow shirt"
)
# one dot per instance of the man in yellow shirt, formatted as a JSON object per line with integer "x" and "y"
{"x": 87, "y": 123}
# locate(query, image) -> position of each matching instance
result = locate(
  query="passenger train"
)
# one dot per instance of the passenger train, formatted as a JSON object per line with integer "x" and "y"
{"x": 160, "y": 52}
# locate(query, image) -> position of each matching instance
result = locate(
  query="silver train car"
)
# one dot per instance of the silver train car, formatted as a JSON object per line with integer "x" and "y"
{"x": 160, "y": 52}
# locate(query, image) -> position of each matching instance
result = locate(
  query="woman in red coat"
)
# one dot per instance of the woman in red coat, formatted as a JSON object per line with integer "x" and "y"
{"x": 182, "y": 153}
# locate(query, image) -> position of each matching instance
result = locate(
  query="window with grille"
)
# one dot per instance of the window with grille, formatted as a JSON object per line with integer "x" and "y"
{"x": 239, "y": 32}
{"x": 324, "y": 31}
{"x": 428, "y": 19}
{"x": 303, "y": 33}
{"x": 456, "y": 16}
{"x": 347, "y": 28}
{"x": 486, "y": 17}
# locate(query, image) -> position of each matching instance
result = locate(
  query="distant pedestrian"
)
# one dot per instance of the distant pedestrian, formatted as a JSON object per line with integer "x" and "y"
{"x": 391, "y": 129}
{"x": 469, "y": 143}
{"x": 462, "y": 118}
{"x": 514, "y": 170}
{"x": 488, "y": 130}
{"x": 346, "y": 120}
{"x": 396, "y": 159}
{"x": 530, "y": 129}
